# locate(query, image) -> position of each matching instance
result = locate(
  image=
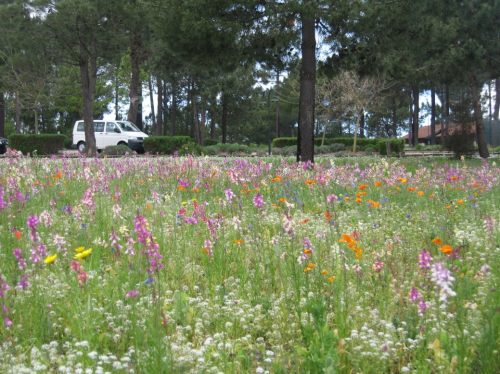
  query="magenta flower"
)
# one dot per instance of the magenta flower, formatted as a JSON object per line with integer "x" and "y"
{"x": 422, "y": 306}
{"x": 414, "y": 295}
{"x": 443, "y": 280}
{"x": 331, "y": 198}
{"x": 32, "y": 222}
{"x": 258, "y": 201}
{"x": 132, "y": 294}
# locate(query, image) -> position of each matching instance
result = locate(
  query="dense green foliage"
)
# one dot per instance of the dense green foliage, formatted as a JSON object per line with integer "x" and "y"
{"x": 46, "y": 144}
{"x": 396, "y": 145}
{"x": 165, "y": 144}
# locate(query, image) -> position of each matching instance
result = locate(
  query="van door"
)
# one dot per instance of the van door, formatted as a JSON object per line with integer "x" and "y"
{"x": 99, "y": 134}
{"x": 112, "y": 134}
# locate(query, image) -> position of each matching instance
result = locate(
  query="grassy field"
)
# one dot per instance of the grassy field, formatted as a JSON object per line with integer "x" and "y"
{"x": 207, "y": 265}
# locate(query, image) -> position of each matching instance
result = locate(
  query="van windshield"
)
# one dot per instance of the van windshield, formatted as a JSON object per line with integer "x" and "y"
{"x": 128, "y": 126}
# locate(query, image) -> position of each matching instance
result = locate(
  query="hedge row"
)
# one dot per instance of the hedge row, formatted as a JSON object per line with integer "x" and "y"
{"x": 45, "y": 144}
{"x": 397, "y": 145}
{"x": 165, "y": 144}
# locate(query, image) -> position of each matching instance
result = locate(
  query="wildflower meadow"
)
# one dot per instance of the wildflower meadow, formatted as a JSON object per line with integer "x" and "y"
{"x": 227, "y": 265}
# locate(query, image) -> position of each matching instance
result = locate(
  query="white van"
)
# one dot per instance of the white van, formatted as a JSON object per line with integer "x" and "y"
{"x": 110, "y": 133}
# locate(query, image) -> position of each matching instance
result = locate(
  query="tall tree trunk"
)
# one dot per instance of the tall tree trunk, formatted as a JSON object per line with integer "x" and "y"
{"x": 196, "y": 120}
{"x": 447, "y": 113}
{"x": 213, "y": 118}
{"x": 174, "y": 108}
{"x": 416, "y": 111}
{"x": 356, "y": 129}
{"x": 117, "y": 98}
{"x": 18, "y": 114}
{"x": 2, "y": 114}
{"x": 394, "y": 118}
{"x": 152, "y": 103}
{"x": 159, "y": 121}
{"x": 135, "y": 50}
{"x": 478, "y": 116}
{"x": 224, "y": 118}
{"x": 410, "y": 122}
{"x": 139, "y": 123}
{"x": 88, "y": 75}
{"x": 305, "y": 147}
{"x": 277, "y": 103}
{"x": 165, "y": 109}
{"x": 433, "y": 116}
{"x": 362, "y": 125}
{"x": 202, "y": 125}
{"x": 494, "y": 125}
{"x": 35, "y": 110}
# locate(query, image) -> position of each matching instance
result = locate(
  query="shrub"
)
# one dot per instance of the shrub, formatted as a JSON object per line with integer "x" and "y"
{"x": 165, "y": 144}
{"x": 68, "y": 142}
{"x": 189, "y": 148}
{"x": 497, "y": 149}
{"x": 116, "y": 150}
{"x": 210, "y": 150}
{"x": 45, "y": 144}
{"x": 208, "y": 142}
{"x": 460, "y": 142}
{"x": 397, "y": 146}
{"x": 235, "y": 148}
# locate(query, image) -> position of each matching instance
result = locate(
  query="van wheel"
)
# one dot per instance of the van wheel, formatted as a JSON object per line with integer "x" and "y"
{"x": 81, "y": 147}
{"x": 120, "y": 143}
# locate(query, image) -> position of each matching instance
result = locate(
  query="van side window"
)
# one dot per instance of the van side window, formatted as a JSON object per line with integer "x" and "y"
{"x": 81, "y": 127}
{"x": 98, "y": 126}
{"x": 111, "y": 127}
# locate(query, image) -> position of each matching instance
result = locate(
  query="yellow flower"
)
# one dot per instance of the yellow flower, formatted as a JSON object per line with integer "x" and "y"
{"x": 50, "y": 259}
{"x": 79, "y": 249}
{"x": 84, "y": 254}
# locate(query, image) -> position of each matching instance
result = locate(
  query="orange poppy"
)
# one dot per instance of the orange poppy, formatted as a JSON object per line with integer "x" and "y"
{"x": 148, "y": 206}
{"x": 460, "y": 201}
{"x": 446, "y": 249}
{"x": 311, "y": 265}
{"x": 437, "y": 241}
{"x": 324, "y": 272}
{"x": 420, "y": 193}
{"x": 18, "y": 234}
{"x": 304, "y": 221}
{"x": 378, "y": 184}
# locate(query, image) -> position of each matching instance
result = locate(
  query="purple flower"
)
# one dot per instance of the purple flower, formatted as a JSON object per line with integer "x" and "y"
{"x": 414, "y": 295}
{"x": 422, "y": 306}
{"x": 425, "y": 260}
{"x": 258, "y": 201}
{"x": 8, "y": 322}
{"x": 229, "y": 195}
{"x": 32, "y": 222}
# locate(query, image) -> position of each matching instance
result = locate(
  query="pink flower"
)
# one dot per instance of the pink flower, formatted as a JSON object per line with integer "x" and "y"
{"x": 132, "y": 294}
{"x": 258, "y": 201}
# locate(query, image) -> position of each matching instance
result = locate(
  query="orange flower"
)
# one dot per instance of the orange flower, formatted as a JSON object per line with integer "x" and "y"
{"x": 304, "y": 221}
{"x": 448, "y": 207}
{"x": 311, "y": 265}
{"x": 282, "y": 200}
{"x": 460, "y": 201}
{"x": 431, "y": 196}
{"x": 239, "y": 241}
{"x": 358, "y": 200}
{"x": 115, "y": 197}
{"x": 324, "y": 272}
{"x": 446, "y": 249}
{"x": 420, "y": 193}
{"x": 277, "y": 179}
{"x": 454, "y": 178}
{"x": 378, "y": 184}
{"x": 307, "y": 251}
{"x": 331, "y": 279}
{"x": 148, "y": 206}
{"x": 363, "y": 187}
{"x": 376, "y": 204}
{"x": 18, "y": 234}
{"x": 412, "y": 189}
{"x": 437, "y": 241}
{"x": 309, "y": 182}
{"x": 307, "y": 269}
{"x": 347, "y": 198}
